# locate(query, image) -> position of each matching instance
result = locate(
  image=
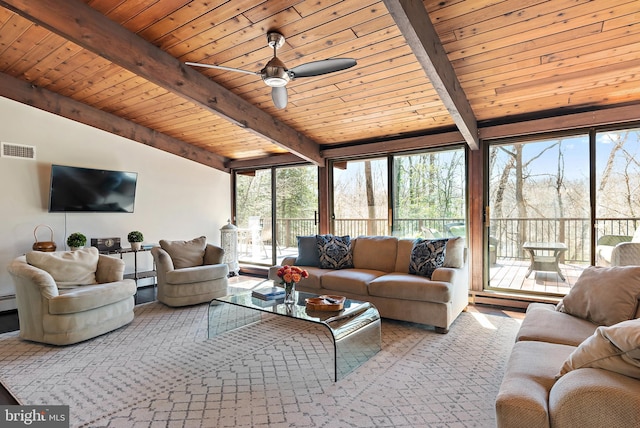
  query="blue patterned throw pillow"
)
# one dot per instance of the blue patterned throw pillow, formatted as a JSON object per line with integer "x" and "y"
{"x": 427, "y": 256}
{"x": 334, "y": 251}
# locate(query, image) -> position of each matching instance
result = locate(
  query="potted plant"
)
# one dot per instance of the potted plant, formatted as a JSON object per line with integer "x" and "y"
{"x": 76, "y": 240}
{"x": 135, "y": 238}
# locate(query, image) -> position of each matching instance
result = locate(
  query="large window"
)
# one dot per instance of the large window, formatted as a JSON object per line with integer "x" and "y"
{"x": 429, "y": 194}
{"x": 360, "y": 198}
{"x": 425, "y": 196}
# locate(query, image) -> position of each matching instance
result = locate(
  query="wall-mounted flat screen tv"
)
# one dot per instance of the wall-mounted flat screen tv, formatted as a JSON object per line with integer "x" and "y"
{"x": 75, "y": 189}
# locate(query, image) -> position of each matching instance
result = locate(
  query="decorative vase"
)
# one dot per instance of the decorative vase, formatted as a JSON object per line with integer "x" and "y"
{"x": 289, "y": 293}
{"x": 135, "y": 246}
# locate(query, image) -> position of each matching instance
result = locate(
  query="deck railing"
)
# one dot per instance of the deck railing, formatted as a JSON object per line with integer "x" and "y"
{"x": 510, "y": 233}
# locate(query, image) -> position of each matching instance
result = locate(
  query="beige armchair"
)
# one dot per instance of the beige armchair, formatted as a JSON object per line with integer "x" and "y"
{"x": 619, "y": 250}
{"x": 189, "y": 272}
{"x": 67, "y": 297}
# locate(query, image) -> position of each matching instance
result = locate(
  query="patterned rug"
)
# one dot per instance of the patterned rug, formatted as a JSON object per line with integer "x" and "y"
{"x": 162, "y": 371}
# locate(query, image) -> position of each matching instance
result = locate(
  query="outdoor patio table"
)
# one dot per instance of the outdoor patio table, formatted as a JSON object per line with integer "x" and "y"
{"x": 545, "y": 256}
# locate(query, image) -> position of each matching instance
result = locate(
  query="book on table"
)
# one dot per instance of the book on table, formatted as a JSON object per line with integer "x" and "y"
{"x": 268, "y": 293}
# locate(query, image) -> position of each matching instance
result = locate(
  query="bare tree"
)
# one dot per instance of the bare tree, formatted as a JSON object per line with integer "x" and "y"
{"x": 371, "y": 201}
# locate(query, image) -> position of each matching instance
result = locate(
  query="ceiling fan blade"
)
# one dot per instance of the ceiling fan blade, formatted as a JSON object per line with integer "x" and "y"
{"x": 316, "y": 68}
{"x": 279, "y": 96}
{"x": 222, "y": 67}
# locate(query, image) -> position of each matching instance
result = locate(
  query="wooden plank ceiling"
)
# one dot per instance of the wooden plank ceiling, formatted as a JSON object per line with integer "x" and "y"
{"x": 119, "y": 65}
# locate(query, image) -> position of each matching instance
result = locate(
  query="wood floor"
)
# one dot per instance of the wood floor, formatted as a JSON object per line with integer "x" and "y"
{"x": 9, "y": 319}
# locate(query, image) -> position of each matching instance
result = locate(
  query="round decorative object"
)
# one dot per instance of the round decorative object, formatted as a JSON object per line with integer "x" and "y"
{"x": 46, "y": 246}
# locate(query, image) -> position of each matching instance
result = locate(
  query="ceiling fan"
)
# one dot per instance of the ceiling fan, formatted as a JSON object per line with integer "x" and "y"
{"x": 276, "y": 75}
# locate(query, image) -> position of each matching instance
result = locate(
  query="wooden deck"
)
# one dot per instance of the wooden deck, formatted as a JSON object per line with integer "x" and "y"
{"x": 510, "y": 274}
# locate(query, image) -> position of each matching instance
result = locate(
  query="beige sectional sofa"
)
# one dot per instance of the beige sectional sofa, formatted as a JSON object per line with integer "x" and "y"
{"x": 380, "y": 275}
{"x": 577, "y": 364}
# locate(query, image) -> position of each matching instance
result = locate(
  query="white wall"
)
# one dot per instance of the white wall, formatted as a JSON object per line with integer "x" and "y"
{"x": 175, "y": 198}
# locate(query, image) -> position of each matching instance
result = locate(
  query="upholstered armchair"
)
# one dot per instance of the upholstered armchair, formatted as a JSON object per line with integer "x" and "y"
{"x": 69, "y": 296}
{"x": 189, "y": 272}
{"x": 619, "y": 250}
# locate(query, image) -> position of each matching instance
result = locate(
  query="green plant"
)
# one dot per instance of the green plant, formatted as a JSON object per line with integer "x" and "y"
{"x": 135, "y": 236}
{"x": 76, "y": 240}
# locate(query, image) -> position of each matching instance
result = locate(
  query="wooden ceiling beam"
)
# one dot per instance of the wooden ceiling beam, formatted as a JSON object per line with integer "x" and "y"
{"x": 79, "y": 23}
{"x": 26, "y": 93}
{"x": 412, "y": 19}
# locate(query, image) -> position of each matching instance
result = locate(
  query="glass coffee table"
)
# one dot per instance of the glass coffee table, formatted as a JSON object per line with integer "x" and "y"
{"x": 355, "y": 329}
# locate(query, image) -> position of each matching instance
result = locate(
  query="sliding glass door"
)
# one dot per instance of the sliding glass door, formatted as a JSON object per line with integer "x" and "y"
{"x": 540, "y": 235}
{"x": 617, "y": 197}
{"x": 273, "y": 206}
{"x": 296, "y": 208}
{"x": 253, "y": 216}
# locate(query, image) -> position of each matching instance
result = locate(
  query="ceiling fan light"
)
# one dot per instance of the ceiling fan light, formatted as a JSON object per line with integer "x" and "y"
{"x": 275, "y": 76}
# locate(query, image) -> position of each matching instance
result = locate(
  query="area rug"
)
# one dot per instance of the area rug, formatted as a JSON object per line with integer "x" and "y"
{"x": 162, "y": 370}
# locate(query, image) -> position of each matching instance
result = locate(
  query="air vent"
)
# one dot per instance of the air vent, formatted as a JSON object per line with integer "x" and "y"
{"x": 18, "y": 151}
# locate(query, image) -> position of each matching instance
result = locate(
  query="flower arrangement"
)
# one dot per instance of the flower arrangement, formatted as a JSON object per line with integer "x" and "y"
{"x": 291, "y": 274}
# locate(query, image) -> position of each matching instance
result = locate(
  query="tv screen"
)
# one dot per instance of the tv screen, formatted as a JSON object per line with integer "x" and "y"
{"x": 76, "y": 189}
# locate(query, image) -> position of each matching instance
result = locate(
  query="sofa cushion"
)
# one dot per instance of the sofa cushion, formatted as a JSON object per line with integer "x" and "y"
{"x": 375, "y": 252}
{"x": 543, "y": 323}
{"x": 427, "y": 256}
{"x": 308, "y": 254}
{"x": 68, "y": 268}
{"x": 615, "y": 348}
{"x": 185, "y": 254}
{"x": 313, "y": 281}
{"x": 87, "y": 298}
{"x": 335, "y": 251}
{"x": 195, "y": 274}
{"x": 454, "y": 252}
{"x": 410, "y": 287}
{"x": 354, "y": 281}
{"x": 604, "y": 295}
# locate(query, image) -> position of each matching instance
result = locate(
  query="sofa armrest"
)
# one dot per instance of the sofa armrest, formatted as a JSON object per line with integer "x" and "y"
{"x": 162, "y": 259}
{"x": 626, "y": 254}
{"x": 591, "y": 398}
{"x": 613, "y": 240}
{"x": 288, "y": 261}
{"x": 213, "y": 255}
{"x": 27, "y": 275}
